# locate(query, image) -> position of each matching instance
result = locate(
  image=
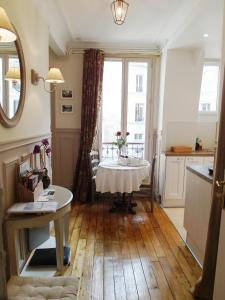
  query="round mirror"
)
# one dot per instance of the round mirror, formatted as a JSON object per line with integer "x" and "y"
{"x": 12, "y": 82}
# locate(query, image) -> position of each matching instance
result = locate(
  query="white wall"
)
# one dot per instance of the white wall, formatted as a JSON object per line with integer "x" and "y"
{"x": 35, "y": 121}
{"x": 33, "y": 33}
{"x": 72, "y": 70}
{"x": 181, "y": 122}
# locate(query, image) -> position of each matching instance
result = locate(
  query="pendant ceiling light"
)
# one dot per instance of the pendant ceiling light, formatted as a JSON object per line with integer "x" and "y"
{"x": 119, "y": 11}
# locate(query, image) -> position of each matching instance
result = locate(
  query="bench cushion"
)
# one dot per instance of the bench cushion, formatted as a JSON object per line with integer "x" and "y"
{"x": 42, "y": 288}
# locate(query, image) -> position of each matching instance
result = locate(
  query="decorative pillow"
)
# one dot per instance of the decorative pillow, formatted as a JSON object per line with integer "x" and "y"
{"x": 42, "y": 288}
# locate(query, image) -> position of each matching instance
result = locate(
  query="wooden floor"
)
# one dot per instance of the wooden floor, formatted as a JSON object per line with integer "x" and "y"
{"x": 120, "y": 256}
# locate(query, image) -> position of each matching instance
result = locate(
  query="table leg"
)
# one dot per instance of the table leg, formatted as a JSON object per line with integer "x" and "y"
{"x": 66, "y": 229}
{"x": 12, "y": 246}
{"x": 58, "y": 224}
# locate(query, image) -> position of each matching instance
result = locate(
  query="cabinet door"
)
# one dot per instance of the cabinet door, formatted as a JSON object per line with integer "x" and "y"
{"x": 174, "y": 182}
{"x": 191, "y": 160}
{"x": 208, "y": 160}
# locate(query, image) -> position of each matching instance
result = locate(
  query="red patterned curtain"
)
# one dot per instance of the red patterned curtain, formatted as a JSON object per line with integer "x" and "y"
{"x": 91, "y": 100}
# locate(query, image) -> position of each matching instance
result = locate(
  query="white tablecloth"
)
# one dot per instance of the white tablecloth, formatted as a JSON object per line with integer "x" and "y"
{"x": 113, "y": 178}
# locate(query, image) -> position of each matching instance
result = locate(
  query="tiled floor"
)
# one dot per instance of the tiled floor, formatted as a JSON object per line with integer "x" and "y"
{"x": 176, "y": 216}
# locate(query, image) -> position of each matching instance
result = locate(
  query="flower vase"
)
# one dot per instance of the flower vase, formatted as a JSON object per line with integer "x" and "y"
{"x": 119, "y": 153}
{"x": 46, "y": 180}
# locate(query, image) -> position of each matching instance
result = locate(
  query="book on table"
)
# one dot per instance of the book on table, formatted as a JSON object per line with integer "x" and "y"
{"x": 33, "y": 207}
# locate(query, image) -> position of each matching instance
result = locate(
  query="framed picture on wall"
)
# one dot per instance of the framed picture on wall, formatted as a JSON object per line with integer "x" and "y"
{"x": 67, "y": 94}
{"x": 67, "y": 109}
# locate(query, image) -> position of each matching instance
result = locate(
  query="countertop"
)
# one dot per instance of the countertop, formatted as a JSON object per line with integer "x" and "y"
{"x": 193, "y": 153}
{"x": 202, "y": 171}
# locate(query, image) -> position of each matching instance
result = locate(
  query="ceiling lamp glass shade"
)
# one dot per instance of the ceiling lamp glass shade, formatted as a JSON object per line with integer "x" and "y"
{"x": 7, "y": 32}
{"x": 54, "y": 76}
{"x": 13, "y": 74}
{"x": 119, "y": 11}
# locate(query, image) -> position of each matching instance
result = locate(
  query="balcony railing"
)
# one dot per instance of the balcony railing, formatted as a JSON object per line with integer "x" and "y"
{"x": 110, "y": 151}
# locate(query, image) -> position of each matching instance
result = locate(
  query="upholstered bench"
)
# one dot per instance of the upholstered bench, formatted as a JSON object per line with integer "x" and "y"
{"x": 42, "y": 288}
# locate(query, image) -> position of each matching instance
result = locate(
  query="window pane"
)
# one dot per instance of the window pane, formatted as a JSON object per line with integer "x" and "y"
{"x": 136, "y": 111}
{"x": 209, "y": 89}
{"x": 111, "y": 107}
{"x": 14, "y": 95}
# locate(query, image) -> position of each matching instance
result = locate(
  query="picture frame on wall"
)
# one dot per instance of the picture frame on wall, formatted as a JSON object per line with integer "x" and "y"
{"x": 67, "y": 94}
{"x": 67, "y": 109}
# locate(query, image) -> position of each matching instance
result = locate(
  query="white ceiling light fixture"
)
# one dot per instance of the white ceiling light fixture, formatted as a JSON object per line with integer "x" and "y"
{"x": 205, "y": 35}
{"x": 119, "y": 11}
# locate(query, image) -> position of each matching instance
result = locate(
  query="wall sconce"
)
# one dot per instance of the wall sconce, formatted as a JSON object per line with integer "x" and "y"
{"x": 13, "y": 75}
{"x": 7, "y": 32}
{"x": 54, "y": 77}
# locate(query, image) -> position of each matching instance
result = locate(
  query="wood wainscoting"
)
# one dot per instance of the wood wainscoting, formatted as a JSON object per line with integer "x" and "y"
{"x": 11, "y": 153}
{"x": 66, "y": 144}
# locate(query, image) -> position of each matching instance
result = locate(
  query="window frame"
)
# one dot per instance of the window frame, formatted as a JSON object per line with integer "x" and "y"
{"x": 124, "y": 101}
{"x": 210, "y": 113}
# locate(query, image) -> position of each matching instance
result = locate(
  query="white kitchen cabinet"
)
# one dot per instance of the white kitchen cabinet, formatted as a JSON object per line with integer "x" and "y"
{"x": 189, "y": 161}
{"x": 208, "y": 160}
{"x": 174, "y": 181}
{"x": 198, "y": 198}
{"x": 173, "y": 177}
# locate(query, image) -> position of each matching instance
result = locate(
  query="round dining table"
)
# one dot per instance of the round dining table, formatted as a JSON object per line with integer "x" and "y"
{"x": 112, "y": 177}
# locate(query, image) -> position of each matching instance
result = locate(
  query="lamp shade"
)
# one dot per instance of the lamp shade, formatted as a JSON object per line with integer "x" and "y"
{"x": 54, "y": 76}
{"x": 7, "y": 32}
{"x": 13, "y": 74}
{"x": 119, "y": 11}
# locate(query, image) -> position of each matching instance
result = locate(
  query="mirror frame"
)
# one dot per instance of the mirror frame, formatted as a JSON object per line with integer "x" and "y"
{"x": 5, "y": 121}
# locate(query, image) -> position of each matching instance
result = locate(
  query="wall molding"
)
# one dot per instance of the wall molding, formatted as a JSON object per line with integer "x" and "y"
{"x": 62, "y": 130}
{"x": 20, "y": 142}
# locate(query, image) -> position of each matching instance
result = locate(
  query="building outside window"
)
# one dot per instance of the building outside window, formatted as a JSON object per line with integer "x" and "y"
{"x": 205, "y": 107}
{"x": 138, "y": 136}
{"x": 209, "y": 88}
{"x": 139, "y": 112}
{"x": 139, "y": 83}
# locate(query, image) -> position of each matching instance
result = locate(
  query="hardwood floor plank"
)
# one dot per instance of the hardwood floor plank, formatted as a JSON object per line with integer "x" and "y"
{"x": 86, "y": 279}
{"x": 165, "y": 292}
{"x": 128, "y": 257}
{"x": 109, "y": 288}
{"x": 77, "y": 267}
{"x": 130, "y": 283}
{"x": 118, "y": 275}
{"x": 98, "y": 278}
{"x": 142, "y": 287}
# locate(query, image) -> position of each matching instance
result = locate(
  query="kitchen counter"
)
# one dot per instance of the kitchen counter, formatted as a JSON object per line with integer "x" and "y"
{"x": 202, "y": 171}
{"x": 198, "y": 199}
{"x": 193, "y": 153}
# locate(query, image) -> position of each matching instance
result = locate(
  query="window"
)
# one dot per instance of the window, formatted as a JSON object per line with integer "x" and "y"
{"x": 209, "y": 88}
{"x": 138, "y": 136}
{"x": 122, "y": 108}
{"x": 139, "y": 83}
{"x": 7, "y": 91}
{"x": 139, "y": 112}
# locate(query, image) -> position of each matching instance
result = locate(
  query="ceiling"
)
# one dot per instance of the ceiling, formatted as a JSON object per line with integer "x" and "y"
{"x": 150, "y": 23}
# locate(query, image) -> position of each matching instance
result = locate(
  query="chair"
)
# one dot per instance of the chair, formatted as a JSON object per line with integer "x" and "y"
{"x": 150, "y": 185}
{"x": 93, "y": 162}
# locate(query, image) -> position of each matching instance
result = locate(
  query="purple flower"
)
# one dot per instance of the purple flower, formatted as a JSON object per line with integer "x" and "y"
{"x": 45, "y": 142}
{"x": 48, "y": 150}
{"x": 37, "y": 149}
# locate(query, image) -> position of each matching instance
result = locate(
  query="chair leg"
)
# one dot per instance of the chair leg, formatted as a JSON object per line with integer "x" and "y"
{"x": 151, "y": 200}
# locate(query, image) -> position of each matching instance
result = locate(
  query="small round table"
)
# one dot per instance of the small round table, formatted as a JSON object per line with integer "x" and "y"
{"x": 14, "y": 223}
{"x": 114, "y": 178}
